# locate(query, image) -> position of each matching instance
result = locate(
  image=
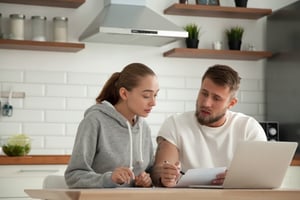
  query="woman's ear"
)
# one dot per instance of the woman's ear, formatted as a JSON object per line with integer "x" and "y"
{"x": 232, "y": 102}
{"x": 123, "y": 93}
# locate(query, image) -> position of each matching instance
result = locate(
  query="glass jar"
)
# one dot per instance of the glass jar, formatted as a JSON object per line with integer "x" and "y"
{"x": 17, "y": 26}
{"x": 60, "y": 29}
{"x": 38, "y": 25}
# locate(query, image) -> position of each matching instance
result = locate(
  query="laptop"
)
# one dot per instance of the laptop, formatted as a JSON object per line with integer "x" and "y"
{"x": 257, "y": 165}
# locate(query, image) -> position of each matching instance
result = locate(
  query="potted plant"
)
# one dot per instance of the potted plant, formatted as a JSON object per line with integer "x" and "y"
{"x": 241, "y": 3}
{"x": 234, "y": 36}
{"x": 192, "y": 40}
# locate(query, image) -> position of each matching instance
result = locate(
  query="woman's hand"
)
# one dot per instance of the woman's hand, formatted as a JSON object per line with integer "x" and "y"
{"x": 122, "y": 175}
{"x": 143, "y": 180}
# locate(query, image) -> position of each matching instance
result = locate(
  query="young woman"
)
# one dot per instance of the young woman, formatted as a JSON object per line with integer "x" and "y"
{"x": 113, "y": 146}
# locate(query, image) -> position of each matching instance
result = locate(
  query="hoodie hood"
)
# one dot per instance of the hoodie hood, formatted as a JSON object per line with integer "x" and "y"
{"x": 131, "y": 23}
{"x": 108, "y": 109}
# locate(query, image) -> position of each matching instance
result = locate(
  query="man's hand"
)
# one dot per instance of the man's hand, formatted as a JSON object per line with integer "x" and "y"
{"x": 170, "y": 174}
{"x": 219, "y": 179}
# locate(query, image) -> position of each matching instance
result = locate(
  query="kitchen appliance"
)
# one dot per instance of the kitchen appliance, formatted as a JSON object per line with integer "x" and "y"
{"x": 132, "y": 23}
{"x": 283, "y": 71}
{"x": 271, "y": 129}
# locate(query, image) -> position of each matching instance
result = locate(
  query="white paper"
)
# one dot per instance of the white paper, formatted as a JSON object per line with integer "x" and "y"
{"x": 200, "y": 176}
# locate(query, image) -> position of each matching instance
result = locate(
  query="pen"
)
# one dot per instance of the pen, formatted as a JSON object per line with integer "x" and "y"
{"x": 181, "y": 172}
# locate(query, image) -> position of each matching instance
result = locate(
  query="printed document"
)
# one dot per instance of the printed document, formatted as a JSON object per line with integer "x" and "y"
{"x": 199, "y": 176}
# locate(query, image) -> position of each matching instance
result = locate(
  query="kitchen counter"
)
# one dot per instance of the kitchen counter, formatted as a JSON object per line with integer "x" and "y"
{"x": 64, "y": 159}
{"x": 35, "y": 160}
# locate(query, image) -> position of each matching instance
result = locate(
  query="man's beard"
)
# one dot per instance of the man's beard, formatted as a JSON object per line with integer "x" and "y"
{"x": 207, "y": 120}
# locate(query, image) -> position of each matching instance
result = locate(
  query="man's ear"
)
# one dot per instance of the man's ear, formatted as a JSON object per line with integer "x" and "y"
{"x": 232, "y": 102}
{"x": 123, "y": 93}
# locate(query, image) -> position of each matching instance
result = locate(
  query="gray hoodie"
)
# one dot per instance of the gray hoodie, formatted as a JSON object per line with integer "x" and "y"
{"x": 105, "y": 140}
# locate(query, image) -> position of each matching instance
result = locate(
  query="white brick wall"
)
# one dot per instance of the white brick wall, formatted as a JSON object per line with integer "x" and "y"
{"x": 55, "y": 103}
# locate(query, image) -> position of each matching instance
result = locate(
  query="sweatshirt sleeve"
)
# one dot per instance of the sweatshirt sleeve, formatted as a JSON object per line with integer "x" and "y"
{"x": 79, "y": 173}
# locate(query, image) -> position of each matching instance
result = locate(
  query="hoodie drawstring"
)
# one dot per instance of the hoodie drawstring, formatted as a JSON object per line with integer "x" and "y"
{"x": 131, "y": 145}
{"x": 141, "y": 143}
{"x": 130, "y": 141}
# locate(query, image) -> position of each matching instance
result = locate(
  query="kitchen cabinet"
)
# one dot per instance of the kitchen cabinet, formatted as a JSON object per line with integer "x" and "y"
{"x": 55, "y": 3}
{"x": 220, "y": 12}
{"x": 41, "y": 45}
{"x": 15, "y": 178}
{"x": 27, "y": 172}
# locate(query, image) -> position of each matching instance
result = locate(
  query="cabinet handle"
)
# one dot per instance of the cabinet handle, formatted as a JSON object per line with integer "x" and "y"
{"x": 38, "y": 170}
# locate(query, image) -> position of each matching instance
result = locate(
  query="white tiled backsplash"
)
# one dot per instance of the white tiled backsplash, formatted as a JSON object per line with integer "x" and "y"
{"x": 54, "y": 104}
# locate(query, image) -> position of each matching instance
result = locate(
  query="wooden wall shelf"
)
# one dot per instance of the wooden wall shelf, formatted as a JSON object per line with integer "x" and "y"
{"x": 54, "y": 3}
{"x": 216, "y": 11}
{"x": 40, "y": 46}
{"x": 35, "y": 160}
{"x": 217, "y": 54}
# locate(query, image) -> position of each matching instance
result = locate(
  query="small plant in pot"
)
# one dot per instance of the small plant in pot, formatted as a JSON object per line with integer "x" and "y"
{"x": 241, "y": 3}
{"x": 193, "y": 35}
{"x": 234, "y": 36}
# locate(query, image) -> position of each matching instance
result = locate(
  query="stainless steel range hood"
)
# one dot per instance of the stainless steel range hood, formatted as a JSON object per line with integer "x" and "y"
{"x": 133, "y": 24}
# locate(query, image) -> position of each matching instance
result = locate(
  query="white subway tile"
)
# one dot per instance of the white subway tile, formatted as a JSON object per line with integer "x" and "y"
{"x": 9, "y": 128}
{"x": 93, "y": 91}
{"x": 16, "y": 103}
{"x": 37, "y": 142}
{"x": 170, "y": 106}
{"x": 155, "y": 118}
{"x": 250, "y": 84}
{"x": 47, "y": 152}
{"x": 252, "y": 97}
{"x": 171, "y": 82}
{"x": 11, "y": 76}
{"x": 182, "y": 94}
{"x": 190, "y": 105}
{"x": 71, "y": 129}
{"x": 64, "y": 142}
{"x": 63, "y": 116}
{"x": 154, "y": 130}
{"x": 45, "y": 77}
{"x": 44, "y": 129}
{"x": 65, "y": 91}
{"x": 162, "y": 94}
{"x": 246, "y": 108}
{"x": 79, "y": 103}
{"x": 194, "y": 83}
{"x": 261, "y": 109}
{"x": 86, "y": 78}
{"x": 44, "y": 103}
{"x": 25, "y": 116}
{"x": 29, "y": 89}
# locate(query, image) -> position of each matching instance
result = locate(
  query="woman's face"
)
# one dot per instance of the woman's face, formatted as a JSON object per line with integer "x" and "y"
{"x": 141, "y": 99}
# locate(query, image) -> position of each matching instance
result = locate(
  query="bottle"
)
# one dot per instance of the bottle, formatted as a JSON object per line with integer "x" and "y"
{"x": 38, "y": 24}
{"x": 60, "y": 29}
{"x": 17, "y": 26}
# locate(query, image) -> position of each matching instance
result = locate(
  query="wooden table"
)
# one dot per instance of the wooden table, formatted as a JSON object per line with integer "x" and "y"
{"x": 163, "y": 194}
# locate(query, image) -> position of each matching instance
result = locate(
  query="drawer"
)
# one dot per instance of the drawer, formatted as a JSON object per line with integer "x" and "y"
{"x": 15, "y": 178}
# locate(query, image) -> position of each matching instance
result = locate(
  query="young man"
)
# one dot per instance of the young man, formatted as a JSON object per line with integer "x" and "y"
{"x": 208, "y": 136}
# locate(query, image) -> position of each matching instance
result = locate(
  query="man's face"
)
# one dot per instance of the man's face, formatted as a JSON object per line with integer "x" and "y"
{"x": 212, "y": 103}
